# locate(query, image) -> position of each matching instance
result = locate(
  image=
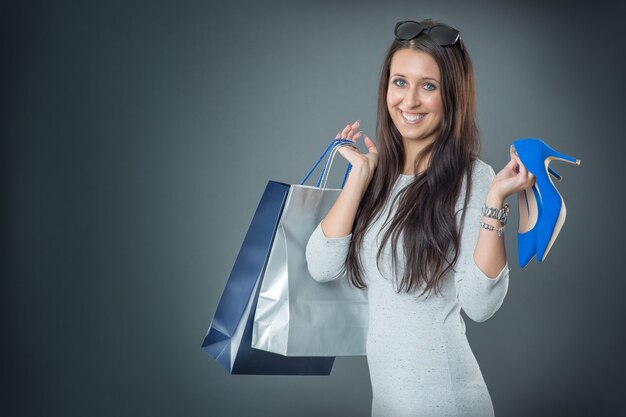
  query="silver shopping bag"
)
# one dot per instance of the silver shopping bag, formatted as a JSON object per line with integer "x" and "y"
{"x": 296, "y": 315}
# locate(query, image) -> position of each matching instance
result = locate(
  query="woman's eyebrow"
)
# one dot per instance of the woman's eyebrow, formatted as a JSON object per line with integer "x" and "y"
{"x": 423, "y": 78}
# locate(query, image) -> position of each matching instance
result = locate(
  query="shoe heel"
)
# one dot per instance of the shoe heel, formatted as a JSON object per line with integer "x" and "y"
{"x": 554, "y": 174}
{"x": 549, "y": 153}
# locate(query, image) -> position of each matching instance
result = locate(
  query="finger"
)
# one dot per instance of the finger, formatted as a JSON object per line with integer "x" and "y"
{"x": 369, "y": 144}
{"x": 515, "y": 162}
{"x": 357, "y": 136}
{"x": 522, "y": 169}
{"x": 511, "y": 166}
{"x": 512, "y": 162}
{"x": 518, "y": 162}
{"x": 344, "y": 132}
{"x": 528, "y": 176}
{"x": 353, "y": 127}
{"x": 348, "y": 152}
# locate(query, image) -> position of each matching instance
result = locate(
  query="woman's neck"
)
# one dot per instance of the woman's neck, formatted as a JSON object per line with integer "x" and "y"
{"x": 411, "y": 149}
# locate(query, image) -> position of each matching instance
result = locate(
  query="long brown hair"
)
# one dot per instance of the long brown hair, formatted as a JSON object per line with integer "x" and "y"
{"x": 429, "y": 231}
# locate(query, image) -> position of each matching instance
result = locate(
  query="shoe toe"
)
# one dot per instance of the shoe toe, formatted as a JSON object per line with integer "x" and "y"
{"x": 526, "y": 247}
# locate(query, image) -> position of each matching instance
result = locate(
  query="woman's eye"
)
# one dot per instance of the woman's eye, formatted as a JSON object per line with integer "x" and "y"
{"x": 396, "y": 82}
{"x": 430, "y": 86}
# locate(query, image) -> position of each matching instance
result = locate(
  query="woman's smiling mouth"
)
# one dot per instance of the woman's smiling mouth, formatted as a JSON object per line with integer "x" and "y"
{"x": 412, "y": 118}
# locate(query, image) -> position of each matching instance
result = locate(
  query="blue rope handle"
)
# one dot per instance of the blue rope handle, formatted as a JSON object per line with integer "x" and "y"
{"x": 345, "y": 177}
{"x": 336, "y": 143}
{"x": 331, "y": 146}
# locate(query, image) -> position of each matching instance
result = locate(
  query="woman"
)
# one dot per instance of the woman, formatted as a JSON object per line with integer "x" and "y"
{"x": 408, "y": 221}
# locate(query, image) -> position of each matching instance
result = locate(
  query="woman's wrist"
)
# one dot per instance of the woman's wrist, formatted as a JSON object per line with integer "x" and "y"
{"x": 495, "y": 211}
{"x": 494, "y": 199}
{"x": 359, "y": 178}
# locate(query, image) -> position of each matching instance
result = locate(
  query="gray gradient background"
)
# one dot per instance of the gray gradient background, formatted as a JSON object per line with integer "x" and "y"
{"x": 137, "y": 138}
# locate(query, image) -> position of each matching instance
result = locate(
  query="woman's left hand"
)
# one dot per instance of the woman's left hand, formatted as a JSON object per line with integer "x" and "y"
{"x": 514, "y": 177}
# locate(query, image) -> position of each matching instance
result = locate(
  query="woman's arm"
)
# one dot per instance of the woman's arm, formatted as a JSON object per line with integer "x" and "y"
{"x": 326, "y": 257}
{"x": 328, "y": 245}
{"x": 490, "y": 252}
{"x": 340, "y": 218}
{"x": 480, "y": 296}
{"x": 482, "y": 272}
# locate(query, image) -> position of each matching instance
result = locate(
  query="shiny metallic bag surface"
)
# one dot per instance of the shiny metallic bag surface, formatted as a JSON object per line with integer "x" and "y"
{"x": 229, "y": 337}
{"x": 296, "y": 315}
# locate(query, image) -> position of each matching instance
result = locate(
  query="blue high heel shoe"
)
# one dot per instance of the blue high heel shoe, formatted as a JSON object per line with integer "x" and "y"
{"x": 535, "y": 154}
{"x": 529, "y": 213}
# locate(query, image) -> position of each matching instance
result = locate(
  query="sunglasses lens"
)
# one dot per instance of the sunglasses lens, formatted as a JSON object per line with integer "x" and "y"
{"x": 408, "y": 30}
{"x": 443, "y": 35}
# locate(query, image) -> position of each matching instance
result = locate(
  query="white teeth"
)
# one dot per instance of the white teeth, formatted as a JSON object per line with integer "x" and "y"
{"x": 412, "y": 116}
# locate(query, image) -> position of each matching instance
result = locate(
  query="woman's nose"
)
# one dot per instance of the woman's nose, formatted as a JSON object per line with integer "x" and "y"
{"x": 411, "y": 99}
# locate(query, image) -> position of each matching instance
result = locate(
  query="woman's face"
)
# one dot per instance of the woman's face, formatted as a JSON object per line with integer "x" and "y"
{"x": 414, "y": 95}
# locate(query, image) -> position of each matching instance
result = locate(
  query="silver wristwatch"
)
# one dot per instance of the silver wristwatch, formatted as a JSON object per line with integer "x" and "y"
{"x": 494, "y": 213}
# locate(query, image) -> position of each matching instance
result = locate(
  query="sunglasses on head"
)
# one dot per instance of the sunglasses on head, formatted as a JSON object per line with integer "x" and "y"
{"x": 442, "y": 35}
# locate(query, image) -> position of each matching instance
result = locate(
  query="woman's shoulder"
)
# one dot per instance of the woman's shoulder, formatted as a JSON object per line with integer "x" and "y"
{"x": 482, "y": 176}
{"x": 482, "y": 171}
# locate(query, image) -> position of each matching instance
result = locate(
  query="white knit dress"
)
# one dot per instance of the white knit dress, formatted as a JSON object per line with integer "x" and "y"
{"x": 420, "y": 361}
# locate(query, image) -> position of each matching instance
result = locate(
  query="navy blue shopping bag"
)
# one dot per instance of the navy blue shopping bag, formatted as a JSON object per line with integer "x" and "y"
{"x": 229, "y": 338}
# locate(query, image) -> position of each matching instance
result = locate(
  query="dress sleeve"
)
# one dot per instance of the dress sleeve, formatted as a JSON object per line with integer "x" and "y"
{"x": 479, "y": 295}
{"x": 326, "y": 256}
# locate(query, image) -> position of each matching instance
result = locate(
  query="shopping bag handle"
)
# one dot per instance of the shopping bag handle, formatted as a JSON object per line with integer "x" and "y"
{"x": 332, "y": 147}
{"x": 329, "y": 163}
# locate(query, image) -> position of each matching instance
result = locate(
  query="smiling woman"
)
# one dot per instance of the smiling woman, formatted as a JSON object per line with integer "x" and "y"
{"x": 414, "y": 100}
{"x": 399, "y": 229}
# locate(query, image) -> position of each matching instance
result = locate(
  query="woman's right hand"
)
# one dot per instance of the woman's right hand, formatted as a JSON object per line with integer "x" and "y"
{"x": 340, "y": 218}
{"x": 364, "y": 164}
